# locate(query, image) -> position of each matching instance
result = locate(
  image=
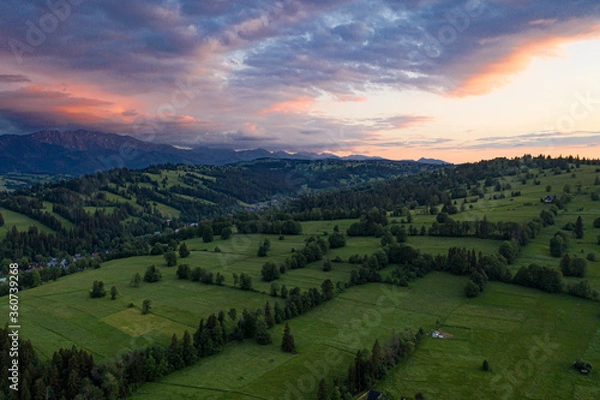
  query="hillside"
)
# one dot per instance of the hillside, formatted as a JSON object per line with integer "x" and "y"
{"x": 399, "y": 268}
{"x": 122, "y": 204}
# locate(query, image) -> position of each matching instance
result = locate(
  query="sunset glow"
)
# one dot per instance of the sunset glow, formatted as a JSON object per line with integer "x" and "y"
{"x": 455, "y": 80}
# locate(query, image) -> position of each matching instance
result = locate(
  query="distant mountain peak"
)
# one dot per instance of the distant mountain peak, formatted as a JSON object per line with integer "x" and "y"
{"x": 433, "y": 161}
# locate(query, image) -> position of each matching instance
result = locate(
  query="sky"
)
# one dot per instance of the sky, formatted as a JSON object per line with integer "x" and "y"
{"x": 455, "y": 80}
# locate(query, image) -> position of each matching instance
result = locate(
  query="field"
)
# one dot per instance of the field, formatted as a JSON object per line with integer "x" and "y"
{"x": 20, "y": 221}
{"x": 529, "y": 338}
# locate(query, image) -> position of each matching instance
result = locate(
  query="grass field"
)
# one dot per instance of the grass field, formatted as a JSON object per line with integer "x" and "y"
{"x": 529, "y": 338}
{"x": 530, "y": 352}
{"x": 22, "y": 222}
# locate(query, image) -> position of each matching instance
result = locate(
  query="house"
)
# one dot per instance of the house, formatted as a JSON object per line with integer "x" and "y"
{"x": 549, "y": 199}
{"x": 373, "y": 395}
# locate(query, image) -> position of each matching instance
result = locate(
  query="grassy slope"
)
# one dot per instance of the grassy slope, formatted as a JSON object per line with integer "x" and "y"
{"x": 22, "y": 222}
{"x": 503, "y": 323}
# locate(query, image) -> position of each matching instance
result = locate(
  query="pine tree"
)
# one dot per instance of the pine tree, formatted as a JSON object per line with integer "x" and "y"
{"x": 113, "y": 293}
{"x": 98, "y": 289}
{"x": 189, "y": 352}
{"x": 183, "y": 250}
{"x": 170, "y": 258}
{"x": 269, "y": 318}
{"x": 263, "y": 336}
{"x": 207, "y": 235}
{"x": 146, "y": 305}
{"x": 287, "y": 343}
{"x": 136, "y": 280}
{"x": 322, "y": 392}
{"x": 579, "y": 228}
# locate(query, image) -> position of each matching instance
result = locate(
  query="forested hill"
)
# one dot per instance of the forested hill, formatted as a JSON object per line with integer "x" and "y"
{"x": 438, "y": 187}
{"x": 104, "y": 210}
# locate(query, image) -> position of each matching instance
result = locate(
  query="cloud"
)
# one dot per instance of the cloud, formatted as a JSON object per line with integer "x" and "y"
{"x": 297, "y": 105}
{"x": 502, "y": 57}
{"x": 257, "y": 71}
{"x": 9, "y": 78}
{"x": 545, "y": 139}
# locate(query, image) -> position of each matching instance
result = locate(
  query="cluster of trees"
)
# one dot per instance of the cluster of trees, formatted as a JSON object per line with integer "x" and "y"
{"x": 199, "y": 274}
{"x": 575, "y": 266}
{"x": 72, "y": 373}
{"x": 371, "y": 223}
{"x": 539, "y": 277}
{"x": 263, "y": 248}
{"x": 559, "y": 244}
{"x": 244, "y": 280}
{"x": 269, "y": 271}
{"x": 287, "y": 227}
{"x": 367, "y": 368}
{"x": 152, "y": 274}
{"x": 98, "y": 290}
{"x": 336, "y": 239}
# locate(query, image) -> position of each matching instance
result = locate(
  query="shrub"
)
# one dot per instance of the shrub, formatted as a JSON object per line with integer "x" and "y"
{"x": 472, "y": 289}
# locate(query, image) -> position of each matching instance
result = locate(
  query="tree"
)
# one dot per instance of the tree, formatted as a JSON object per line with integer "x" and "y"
{"x": 183, "y": 271}
{"x": 274, "y": 289}
{"x": 269, "y": 317}
{"x": 509, "y": 250}
{"x": 146, "y": 305}
{"x": 220, "y": 279}
{"x": 263, "y": 336}
{"x": 136, "y": 280}
{"x": 113, "y": 293}
{"x": 322, "y": 393}
{"x": 98, "y": 290}
{"x": 336, "y": 239}
{"x": 152, "y": 274}
{"x": 170, "y": 258}
{"x": 264, "y": 247}
{"x": 226, "y": 233}
{"x": 269, "y": 271}
{"x": 579, "y": 228}
{"x": 485, "y": 365}
{"x": 558, "y": 245}
{"x": 472, "y": 289}
{"x": 287, "y": 343}
{"x": 245, "y": 281}
{"x": 597, "y": 223}
{"x": 207, "y": 234}
{"x": 189, "y": 353}
{"x": 284, "y": 292}
{"x": 326, "y": 265}
{"x": 183, "y": 250}
{"x": 36, "y": 279}
{"x": 327, "y": 289}
{"x": 1, "y": 220}
{"x": 386, "y": 239}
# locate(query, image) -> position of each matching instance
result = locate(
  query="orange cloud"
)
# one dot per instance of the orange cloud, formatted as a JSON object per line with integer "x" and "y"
{"x": 512, "y": 54}
{"x": 350, "y": 98}
{"x": 297, "y": 105}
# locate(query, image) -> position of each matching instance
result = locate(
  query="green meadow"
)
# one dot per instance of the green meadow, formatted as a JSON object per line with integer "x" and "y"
{"x": 529, "y": 338}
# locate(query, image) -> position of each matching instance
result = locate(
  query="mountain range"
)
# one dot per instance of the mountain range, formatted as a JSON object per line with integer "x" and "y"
{"x": 82, "y": 152}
